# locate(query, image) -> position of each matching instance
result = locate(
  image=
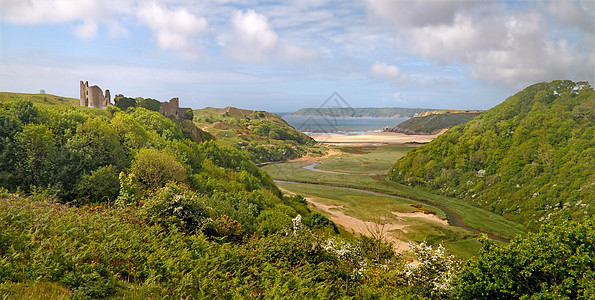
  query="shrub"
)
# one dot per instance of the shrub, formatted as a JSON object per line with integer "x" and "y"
{"x": 154, "y": 168}
{"x": 317, "y": 220}
{"x": 558, "y": 262}
{"x": 175, "y": 205}
{"x": 435, "y": 272}
{"x": 272, "y": 221}
{"x": 101, "y": 185}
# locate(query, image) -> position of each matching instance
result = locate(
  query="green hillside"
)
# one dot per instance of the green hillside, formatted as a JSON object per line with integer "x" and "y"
{"x": 262, "y": 136}
{"x": 362, "y": 112}
{"x": 40, "y": 99}
{"x": 531, "y": 158}
{"x": 104, "y": 202}
{"x": 432, "y": 123}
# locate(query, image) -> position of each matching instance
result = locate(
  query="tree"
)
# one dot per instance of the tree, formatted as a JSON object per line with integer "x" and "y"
{"x": 101, "y": 185}
{"x": 124, "y": 103}
{"x": 25, "y": 111}
{"x": 435, "y": 271}
{"x": 101, "y": 141}
{"x": 37, "y": 153}
{"x": 558, "y": 262}
{"x": 154, "y": 168}
{"x": 150, "y": 104}
{"x": 188, "y": 114}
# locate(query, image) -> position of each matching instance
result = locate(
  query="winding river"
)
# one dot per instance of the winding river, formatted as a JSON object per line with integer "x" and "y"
{"x": 454, "y": 218}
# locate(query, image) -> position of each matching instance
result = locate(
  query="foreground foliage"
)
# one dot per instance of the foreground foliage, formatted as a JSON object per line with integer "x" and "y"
{"x": 558, "y": 262}
{"x": 529, "y": 159}
{"x": 99, "y": 251}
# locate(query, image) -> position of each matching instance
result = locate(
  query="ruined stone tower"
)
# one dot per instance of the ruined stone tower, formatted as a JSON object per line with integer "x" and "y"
{"x": 92, "y": 96}
{"x": 172, "y": 108}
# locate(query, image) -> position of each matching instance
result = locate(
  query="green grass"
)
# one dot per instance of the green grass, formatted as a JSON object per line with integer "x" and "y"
{"x": 370, "y": 207}
{"x": 361, "y": 205}
{"x": 42, "y": 99}
{"x": 472, "y": 215}
{"x": 365, "y": 159}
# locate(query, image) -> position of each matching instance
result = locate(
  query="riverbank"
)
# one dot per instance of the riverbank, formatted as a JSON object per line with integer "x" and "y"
{"x": 371, "y": 138}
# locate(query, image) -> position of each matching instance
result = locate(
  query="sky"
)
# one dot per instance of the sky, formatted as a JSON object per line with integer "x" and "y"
{"x": 284, "y": 55}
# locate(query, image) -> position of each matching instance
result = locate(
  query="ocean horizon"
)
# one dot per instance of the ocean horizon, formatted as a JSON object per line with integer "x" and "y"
{"x": 338, "y": 125}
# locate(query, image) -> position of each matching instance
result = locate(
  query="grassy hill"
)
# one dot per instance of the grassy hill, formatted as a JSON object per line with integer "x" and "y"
{"x": 362, "y": 112}
{"x": 262, "y": 136}
{"x": 39, "y": 99}
{"x": 433, "y": 121}
{"x": 531, "y": 158}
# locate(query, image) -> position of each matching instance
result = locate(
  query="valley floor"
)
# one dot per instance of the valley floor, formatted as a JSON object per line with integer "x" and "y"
{"x": 347, "y": 186}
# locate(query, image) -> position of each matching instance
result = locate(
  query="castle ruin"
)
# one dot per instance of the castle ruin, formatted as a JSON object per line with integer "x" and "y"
{"x": 92, "y": 96}
{"x": 172, "y": 108}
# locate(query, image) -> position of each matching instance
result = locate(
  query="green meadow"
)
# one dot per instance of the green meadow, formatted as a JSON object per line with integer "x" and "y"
{"x": 365, "y": 159}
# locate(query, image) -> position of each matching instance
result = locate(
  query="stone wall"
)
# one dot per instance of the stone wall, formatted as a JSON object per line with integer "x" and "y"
{"x": 172, "y": 108}
{"x": 92, "y": 96}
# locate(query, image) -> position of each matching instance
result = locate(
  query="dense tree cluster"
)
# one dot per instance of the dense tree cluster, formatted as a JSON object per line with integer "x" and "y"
{"x": 124, "y": 103}
{"x": 530, "y": 158}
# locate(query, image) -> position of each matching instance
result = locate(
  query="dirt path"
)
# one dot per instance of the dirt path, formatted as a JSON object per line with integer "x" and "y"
{"x": 317, "y": 159}
{"x": 421, "y": 215}
{"x": 358, "y": 226}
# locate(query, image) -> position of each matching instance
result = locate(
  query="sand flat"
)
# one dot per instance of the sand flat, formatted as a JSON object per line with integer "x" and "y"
{"x": 375, "y": 138}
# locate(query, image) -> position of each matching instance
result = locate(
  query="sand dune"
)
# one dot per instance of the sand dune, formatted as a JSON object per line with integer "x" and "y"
{"x": 375, "y": 138}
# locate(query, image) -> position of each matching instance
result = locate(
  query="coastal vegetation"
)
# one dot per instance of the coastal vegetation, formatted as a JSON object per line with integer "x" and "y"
{"x": 260, "y": 135}
{"x": 432, "y": 123}
{"x": 529, "y": 159}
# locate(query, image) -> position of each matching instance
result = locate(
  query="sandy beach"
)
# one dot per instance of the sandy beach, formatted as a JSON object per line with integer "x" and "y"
{"x": 375, "y": 138}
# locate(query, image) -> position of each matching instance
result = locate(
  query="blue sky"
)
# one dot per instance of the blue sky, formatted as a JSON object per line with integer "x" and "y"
{"x": 285, "y": 55}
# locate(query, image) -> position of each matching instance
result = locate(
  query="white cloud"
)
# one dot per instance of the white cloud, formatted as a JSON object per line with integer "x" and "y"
{"x": 86, "y": 31}
{"x": 496, "y": 42}
{"x": 254, "y": 40}
{"x": 86, "y": 15}
{"x": 173, "y": 29}
{"x": 51, "y": 11}
{"x": 382, "y": 70}
{"x": 115, "y": 30}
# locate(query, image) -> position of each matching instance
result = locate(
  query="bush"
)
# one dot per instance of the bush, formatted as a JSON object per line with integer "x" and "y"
{"x": 317, "y": 220}
{"x": 558, "y": 262}
{"x": 272, "y": 221}
{"x": 154, "y": 168}
{"x": 175, "y": 206}
{"x": 101, "y": 185}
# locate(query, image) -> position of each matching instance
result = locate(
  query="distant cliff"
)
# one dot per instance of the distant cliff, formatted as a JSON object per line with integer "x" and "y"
{"x": 361, "y": 112}
{"x": 431, "y": 122}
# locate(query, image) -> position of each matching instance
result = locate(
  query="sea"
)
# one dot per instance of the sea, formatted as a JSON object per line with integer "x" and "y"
{"x": 339, "y": 125}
